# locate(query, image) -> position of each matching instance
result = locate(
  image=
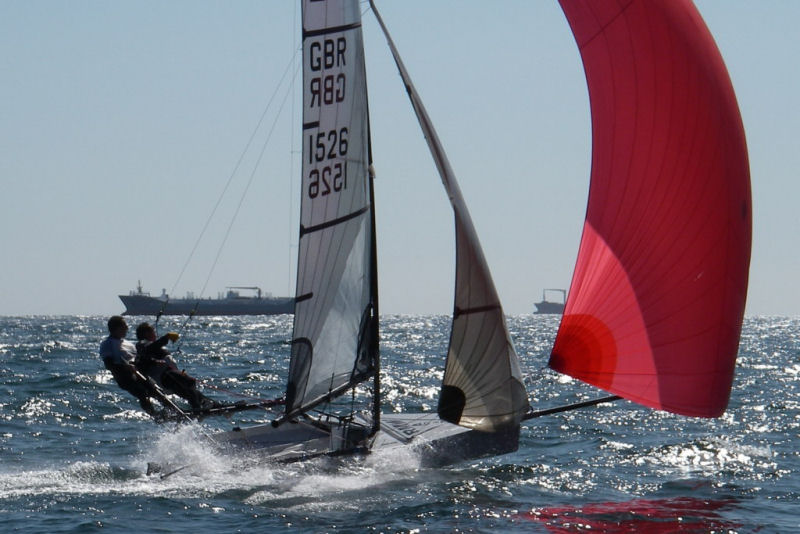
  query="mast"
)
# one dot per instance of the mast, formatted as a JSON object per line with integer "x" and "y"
{"x": 374, "y": 325}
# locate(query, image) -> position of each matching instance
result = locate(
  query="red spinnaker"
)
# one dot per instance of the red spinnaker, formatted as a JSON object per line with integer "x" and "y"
{"x": 657, "y": 298}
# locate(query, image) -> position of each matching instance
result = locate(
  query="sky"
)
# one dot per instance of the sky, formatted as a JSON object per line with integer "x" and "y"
{"x": 122, "y": 122}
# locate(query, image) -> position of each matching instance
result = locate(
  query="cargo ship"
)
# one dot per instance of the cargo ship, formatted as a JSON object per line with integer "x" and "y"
{"x": 139, "y": 302}
{"x": 548, "y": 306}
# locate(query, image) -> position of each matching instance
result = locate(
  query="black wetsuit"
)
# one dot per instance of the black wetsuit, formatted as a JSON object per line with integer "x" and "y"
{"x": 153, "y": 360}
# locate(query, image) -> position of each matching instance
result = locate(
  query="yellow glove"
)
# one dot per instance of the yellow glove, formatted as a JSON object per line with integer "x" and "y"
{"x": 173, "y": 336}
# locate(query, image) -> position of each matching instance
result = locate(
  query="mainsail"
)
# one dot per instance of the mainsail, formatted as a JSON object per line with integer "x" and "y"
{"x": 658, "y": 294}
{"x": 482, "y": 387}
{"x": 334, "y": 343}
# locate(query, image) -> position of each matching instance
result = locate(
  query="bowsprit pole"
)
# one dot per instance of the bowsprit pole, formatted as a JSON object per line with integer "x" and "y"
{"x": 531, "y": 414}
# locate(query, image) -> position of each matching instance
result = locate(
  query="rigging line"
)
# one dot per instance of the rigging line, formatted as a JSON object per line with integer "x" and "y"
{"x": 235, "y": 169}
{"x": 183, "y": 327}
{"x": 159, "y": 314}
{"x": 249, "y": 183}
{"x": 366, "y": 8}
{"x": 290, "y": 200}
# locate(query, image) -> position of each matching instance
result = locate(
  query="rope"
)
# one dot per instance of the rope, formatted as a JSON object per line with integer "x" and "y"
{"x": 183, "y": 327}
{"x": 235, "y": 171}
{"x": 159, "y": 314}
{"x": 246, "y": 189}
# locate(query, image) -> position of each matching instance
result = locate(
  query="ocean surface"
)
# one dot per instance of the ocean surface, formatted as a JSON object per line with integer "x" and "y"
{"x": 74, "y": 448}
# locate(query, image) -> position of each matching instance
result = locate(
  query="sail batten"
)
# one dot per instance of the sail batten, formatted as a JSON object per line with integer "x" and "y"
{"x": 330, "y": 30}
{"x": 657, "y": 298}
{"x": 479, "y": 309}
{"x": 327, "y": 224}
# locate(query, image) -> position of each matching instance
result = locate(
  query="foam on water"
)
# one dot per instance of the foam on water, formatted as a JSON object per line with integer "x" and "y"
{"x": 202, "y": 470}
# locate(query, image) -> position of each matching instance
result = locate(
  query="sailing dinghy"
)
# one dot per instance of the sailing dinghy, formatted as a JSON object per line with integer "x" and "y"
{"x": 656, "y": 303}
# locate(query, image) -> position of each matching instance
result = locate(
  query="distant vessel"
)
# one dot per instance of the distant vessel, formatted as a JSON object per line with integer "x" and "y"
{"x": 547, "y": 306}
{"x": 139, "y": 302}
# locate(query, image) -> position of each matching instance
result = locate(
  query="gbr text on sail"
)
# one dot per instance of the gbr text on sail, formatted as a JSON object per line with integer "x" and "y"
{"x": 326, "y": 148}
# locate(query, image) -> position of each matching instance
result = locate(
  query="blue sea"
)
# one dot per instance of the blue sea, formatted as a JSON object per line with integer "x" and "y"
{"x": 74, "y": 448}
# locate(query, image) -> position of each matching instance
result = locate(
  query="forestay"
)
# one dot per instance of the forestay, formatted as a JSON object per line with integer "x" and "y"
{"x": 335, "y": 322}
{"x": 482, "y": 387}
{"x": 657, "y": 297}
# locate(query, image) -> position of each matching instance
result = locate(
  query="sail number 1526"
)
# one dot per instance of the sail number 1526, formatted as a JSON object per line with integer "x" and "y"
{"x": 325, "y": 146}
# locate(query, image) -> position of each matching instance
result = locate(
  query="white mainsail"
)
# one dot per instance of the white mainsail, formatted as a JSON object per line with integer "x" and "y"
{"x": 482, "y": 387}
{"x": 335, "y": 322}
